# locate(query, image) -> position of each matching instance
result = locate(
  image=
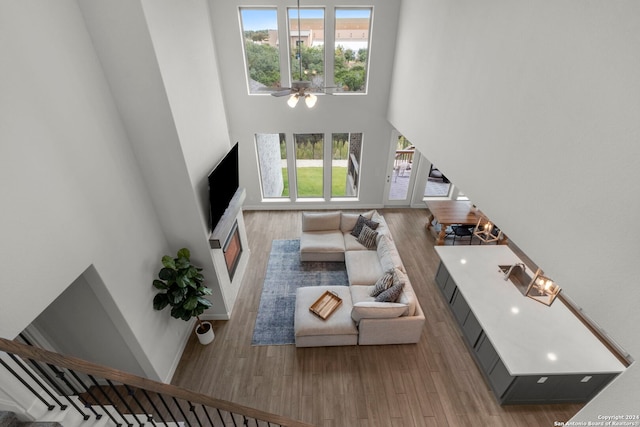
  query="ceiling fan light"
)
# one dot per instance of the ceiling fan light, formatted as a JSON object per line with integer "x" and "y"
{"x": 293, "y": 100}
{"x": 310, "y": 99}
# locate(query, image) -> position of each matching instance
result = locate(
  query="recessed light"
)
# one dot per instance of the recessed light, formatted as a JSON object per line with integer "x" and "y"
{"x": 463, "y": 261}
{"x": 552, "y": 357}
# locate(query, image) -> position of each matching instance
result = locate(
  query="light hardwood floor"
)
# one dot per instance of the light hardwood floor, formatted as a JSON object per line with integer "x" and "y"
{"x": 432, "y": 383}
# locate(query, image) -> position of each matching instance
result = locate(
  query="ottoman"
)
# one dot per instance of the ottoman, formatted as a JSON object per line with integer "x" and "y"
{"x": 312, "y": 331}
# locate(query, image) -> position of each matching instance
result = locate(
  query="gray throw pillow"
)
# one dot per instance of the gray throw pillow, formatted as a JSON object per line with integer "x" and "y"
{"x": 362, "y": 221}
{"x": 383, "y": 283}
{"x": 392, "y": 294}
{"x": 368, "y": 237}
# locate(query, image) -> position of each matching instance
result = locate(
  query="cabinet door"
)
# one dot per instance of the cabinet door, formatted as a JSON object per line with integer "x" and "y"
{"x": 442, "y": 275}
{"x": 459, "y": 307}
{"x": 449, "y": 289}
{"x": 500, "y": 378}
{"x": 471, "y": 328}
{"x": 533, "y": 389}
{"x": 487, "y": 355}
{"x": 580, "y": 388}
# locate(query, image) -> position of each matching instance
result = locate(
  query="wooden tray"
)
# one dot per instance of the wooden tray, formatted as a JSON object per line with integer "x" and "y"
{"x": 325, "y": 305}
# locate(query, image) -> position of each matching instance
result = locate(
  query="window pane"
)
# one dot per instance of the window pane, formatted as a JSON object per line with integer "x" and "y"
{"x": 309, "y": 164}
{"x": 308, "y": 65}
{"x": 272, "y": 164}
{"x": 346, "y": 149}
{"x": 437, "y": 184}
{"x": 402, "y": 167}
{"x": 260, "y": 35}
{"x": 352, "y": 48}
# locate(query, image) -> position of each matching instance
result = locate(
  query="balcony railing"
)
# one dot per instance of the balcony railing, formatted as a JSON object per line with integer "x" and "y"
{"x": 95, "y": 392}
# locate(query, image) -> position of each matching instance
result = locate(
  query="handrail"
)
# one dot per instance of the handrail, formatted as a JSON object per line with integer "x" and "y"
{"x": 80, "y": 365}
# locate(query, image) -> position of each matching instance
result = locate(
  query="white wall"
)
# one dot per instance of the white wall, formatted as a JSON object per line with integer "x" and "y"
{"x": 532, "y": 109}
{"x": 85, "y": 329}
{"x": 248, "y": 115}
{"x": 72, "y": 195}
{"x": 159, "y": 60}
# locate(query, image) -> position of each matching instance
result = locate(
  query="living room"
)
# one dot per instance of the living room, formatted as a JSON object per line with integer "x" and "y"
{"x": 108, "y": 171}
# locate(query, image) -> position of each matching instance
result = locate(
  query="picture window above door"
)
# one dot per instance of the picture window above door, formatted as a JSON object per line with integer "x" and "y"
{"x": 306, "y": 42}
{"x": 352, "y": 46}
{"x": 261, "y": 49}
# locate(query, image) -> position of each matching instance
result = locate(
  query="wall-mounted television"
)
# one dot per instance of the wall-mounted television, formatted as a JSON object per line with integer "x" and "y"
{"x": 224, "y": 181}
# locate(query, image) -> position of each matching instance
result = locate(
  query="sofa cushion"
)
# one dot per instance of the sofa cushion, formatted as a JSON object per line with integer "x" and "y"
{"x": 383, "y": 228}
{"x": 321, "y": 241}
{"x": 362, "y": 221}
{"x": 321, "y": 221}
{"x": 351, "y": 243}
{"x": 383, "y": 283}
{"x": 368, "y": 237}
{"x": 377, "y": 310}
{"x": 392, "y": 294}
{"x": 361, "y": 294}
{"x": 408, "y": 297}
{"x": 388, "y": 254}
{"x": 348, "y": 220}
{"x": 363, "y": 267}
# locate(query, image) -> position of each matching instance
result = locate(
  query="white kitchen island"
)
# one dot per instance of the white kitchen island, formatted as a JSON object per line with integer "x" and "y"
{"x": 528, "y": 351}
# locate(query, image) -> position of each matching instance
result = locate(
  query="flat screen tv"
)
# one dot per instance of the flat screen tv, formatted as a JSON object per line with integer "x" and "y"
{"x": 224, "y": 180}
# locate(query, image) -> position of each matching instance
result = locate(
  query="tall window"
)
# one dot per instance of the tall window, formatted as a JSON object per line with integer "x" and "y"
{"x": 309, "y": 164}
{"x": 346, "y": 149}
{"x": 261, "y": 48}
{"x": 272, "y": 164}
{"x": 353, "y": 27}
{"x": 309, "y": 38}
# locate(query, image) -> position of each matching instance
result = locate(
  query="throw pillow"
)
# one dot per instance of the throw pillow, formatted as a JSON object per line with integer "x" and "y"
{"x": 399, "y": 276}
{"x": 383, "y": 283}
{"x": 362, "y": 221}
{"x": 377, "y": 310}
{"x": 368, "y": 237}
{"x": 392, "y": 294}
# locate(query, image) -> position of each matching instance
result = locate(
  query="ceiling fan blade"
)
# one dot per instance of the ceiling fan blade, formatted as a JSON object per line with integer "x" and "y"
{"x": 281, "y": 93}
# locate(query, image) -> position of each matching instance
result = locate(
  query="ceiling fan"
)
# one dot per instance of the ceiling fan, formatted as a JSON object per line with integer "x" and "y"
{"x": 299, "y": 89}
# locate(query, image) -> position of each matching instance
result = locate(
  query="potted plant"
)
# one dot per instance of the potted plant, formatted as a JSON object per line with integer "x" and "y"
{"x": 182, "y": 288}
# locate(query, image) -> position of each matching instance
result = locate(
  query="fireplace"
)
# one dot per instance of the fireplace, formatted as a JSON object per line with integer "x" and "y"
{"x": 232, "y": 250}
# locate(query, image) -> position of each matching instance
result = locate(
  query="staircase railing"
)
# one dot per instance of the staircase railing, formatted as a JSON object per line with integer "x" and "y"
{"x": 95, "y": 391}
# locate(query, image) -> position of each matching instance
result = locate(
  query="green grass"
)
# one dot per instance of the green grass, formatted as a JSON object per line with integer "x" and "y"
{"x": 310, "y": 182}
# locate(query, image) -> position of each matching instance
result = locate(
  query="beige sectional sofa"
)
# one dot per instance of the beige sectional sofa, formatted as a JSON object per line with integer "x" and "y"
{"x": 326, "y": 236}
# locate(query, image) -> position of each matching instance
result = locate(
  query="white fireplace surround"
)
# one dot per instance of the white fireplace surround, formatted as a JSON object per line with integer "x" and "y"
{"x": 229, "y": 287}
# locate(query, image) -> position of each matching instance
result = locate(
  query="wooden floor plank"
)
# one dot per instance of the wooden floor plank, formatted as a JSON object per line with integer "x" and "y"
{"x": 432, "y": 383}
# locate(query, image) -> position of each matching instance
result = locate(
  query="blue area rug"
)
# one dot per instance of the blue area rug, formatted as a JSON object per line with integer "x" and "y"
{"x": 285, "y": 274}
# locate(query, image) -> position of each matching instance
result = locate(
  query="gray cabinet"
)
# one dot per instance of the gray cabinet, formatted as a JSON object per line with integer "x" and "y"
{"x": 468, "y": 322}
{"x": 485, "y": 353}
{"x": 445, "y": 282}
{"x": 513, "y": 389}
{"x": 556, "y": 388}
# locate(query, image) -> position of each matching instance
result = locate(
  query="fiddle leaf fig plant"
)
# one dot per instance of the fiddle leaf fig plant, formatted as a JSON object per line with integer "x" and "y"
{"x": 182, "y": 288}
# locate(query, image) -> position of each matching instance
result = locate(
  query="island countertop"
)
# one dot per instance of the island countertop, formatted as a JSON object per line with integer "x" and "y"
{"x": 531, "y": 338}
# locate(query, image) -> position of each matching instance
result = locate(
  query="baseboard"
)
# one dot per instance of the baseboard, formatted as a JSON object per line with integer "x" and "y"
{"x": 178, "y": 356}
